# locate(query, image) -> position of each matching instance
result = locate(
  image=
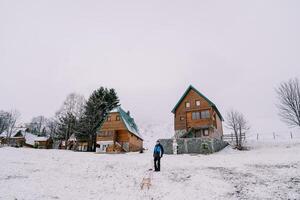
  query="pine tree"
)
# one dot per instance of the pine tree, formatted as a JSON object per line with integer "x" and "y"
{"x": 99, "y": 104}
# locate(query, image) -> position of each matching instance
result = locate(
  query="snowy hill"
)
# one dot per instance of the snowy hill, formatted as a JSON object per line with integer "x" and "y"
{"x": 153, "y": 131}
{"x": 264, "y": 172}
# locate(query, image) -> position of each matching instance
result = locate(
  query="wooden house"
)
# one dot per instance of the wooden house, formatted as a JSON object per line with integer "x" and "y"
{"x": 195, "y": 116}
{"x": 18, "y": 140}
{"x": 24, "y": 138}
{"x": 119, "y": 133}
{"x": 43, "y": 143}
{"x": 29, "y": 138}
{"x": 15, "y": 140}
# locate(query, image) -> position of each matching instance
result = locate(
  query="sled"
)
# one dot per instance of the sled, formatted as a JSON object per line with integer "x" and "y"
{"x": 146, "y": 182}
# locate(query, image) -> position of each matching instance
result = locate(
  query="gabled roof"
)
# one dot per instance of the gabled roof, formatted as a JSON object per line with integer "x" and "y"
{"x": 128, "y": 121}
{"x": 200, "y": 94}
{"x": 29, "y": 137}
{"x": 16, "y": 132}
{"x": 41, "y": 139}
{"x": 3, "y": 134}
{"x": 72, "y": 137}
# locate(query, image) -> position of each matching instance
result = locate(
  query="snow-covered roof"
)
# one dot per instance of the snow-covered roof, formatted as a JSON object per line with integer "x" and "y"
{"x": 17, "y": 130}
{"x": 41, "y": 139}
{"x": 29, "y": 138}
{"x": 3, "y": 134}
{"x": 128, "y": 121}
{"x": 72, "y": 138}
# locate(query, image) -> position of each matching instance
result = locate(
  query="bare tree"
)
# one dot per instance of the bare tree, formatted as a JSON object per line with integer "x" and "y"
{"x": 38, "y": 125}
{"x": 74, "y": 104}
{"x": 68, "y": 115}
{"x": 243, "y": 126}
{"x": 232, "y": 124}
{"x": 13, "y": 118}
{"x": 238, "y": 124}
{"x": 52, "y": 127}
{"x": 288, "y": 94}
{"x": 4, "y": 118}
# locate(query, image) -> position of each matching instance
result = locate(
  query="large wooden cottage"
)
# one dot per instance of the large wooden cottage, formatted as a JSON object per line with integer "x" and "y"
{"x": 119, "y": 133}
{"x": 195, "y": 116}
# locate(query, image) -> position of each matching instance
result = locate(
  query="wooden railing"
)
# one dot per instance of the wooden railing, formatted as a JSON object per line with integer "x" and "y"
{"x": 231, "y": 137}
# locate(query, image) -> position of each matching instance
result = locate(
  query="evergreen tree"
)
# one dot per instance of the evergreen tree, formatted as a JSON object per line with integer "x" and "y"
{"x": 99, "y": 104}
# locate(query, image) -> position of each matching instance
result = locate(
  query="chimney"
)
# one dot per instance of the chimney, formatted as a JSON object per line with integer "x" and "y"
{"x": 128, "y": 113}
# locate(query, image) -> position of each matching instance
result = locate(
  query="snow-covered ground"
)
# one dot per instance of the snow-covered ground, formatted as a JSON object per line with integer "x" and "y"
{"x": 264, "y": 172}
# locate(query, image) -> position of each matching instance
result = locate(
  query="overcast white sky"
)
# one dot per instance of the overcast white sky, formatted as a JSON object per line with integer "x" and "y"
{"x": 234, "y": 52}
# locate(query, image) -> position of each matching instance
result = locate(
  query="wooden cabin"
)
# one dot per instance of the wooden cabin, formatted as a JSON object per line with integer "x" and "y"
{"x": 16, "y": 139}
{"x": 23, "y": 138}
{"x": 196, "y": 116}
{"x": 43, "y": 143}
{"x": 119, "y": 133}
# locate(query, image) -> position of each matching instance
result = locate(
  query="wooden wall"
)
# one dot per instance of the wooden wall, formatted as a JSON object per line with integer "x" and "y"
{"x": 186, "y": 113}
{"x": 198, "y": 122}
{"x": 135, "y": 143}
{"x": 44, "y": 144}
{"x": 182, "y": 111}
{"x": 122, "y": 136}
{"x": 113, "y": 124}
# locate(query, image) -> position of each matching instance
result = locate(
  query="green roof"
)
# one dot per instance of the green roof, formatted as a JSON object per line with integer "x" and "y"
{"x": 128, "y": 121}
{"x": 200, "y": 94}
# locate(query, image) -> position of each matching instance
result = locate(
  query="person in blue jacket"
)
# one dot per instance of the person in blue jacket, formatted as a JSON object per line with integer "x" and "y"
{"x": 157, "y": 154}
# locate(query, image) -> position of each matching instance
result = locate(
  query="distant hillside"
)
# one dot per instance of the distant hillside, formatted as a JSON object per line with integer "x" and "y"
{"x": 153, "y": 131}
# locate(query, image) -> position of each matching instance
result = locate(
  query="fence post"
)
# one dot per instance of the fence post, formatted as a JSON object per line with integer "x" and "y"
{"x": 291, "y": 135}
{"x": 274, "y": 135}
{"x": 257, "y": 137}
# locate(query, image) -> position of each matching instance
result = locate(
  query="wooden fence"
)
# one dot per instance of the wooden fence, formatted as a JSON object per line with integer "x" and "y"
{"x": 231, "y": 137}
{"x": 276, "y": 136}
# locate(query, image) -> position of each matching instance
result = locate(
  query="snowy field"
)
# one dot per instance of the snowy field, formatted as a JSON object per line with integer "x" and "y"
{"x": 264, "y": 172}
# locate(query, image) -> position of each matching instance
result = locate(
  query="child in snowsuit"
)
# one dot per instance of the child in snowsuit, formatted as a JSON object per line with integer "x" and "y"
{"x": 157, "y": 154}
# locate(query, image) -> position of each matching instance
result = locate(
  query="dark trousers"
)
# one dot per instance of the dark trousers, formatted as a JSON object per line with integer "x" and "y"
{"x": 157, "y": 163}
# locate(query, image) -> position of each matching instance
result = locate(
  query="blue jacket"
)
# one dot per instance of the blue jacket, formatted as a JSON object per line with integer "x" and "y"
{"x": 158, "y": 151}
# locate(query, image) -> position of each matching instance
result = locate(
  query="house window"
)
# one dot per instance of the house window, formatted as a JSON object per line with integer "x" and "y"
{"x": 205, "y": 114}
{"x": 109, "y": 118}
{"x": 105, "y": 133}
{"x": 118, "y": 118}
{"x": 187, "y": 104}
{"x": 181, "y": 118}
{"x": 205, "y": 132}
{"x": 196, "y": 115}
{"x": 198, "y": 103}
